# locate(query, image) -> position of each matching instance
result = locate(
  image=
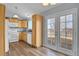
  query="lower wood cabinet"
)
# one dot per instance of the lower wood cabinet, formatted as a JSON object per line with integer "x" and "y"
{"x": 23, "y": 36}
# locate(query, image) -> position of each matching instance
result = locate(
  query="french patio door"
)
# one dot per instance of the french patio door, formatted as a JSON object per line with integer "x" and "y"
{"x": 66, "y": 33}
{"x": 61, "y": 31}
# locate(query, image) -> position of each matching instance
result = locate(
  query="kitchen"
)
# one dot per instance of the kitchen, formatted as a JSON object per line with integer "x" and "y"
{"x": 17, "y": 30}
{"x": 36, "y": 29}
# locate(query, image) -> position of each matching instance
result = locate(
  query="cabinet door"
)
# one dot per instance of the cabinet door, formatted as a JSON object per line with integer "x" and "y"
{"x": 37, "y": 30}
{"x": 22, "y": 23}
{"x": 23, "y": 36}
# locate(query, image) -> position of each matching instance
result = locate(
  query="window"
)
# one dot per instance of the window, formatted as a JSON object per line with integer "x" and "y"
{"x": 30, "y": 24}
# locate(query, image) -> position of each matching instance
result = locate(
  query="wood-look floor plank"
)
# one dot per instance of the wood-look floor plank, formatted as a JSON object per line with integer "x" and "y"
{"x": 23, "y": 49}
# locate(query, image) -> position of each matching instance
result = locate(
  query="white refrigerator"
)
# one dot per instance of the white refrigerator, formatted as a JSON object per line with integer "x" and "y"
{"x": 11, "y": 33}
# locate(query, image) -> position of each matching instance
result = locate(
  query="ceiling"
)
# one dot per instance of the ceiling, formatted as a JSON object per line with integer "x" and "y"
{"x": 24, "y": 10}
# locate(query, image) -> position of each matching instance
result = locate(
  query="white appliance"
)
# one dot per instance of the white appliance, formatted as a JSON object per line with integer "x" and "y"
{"x": 29, "y": 38}
{"x": 29, "y": 33}
{"x": 13, "y": 32}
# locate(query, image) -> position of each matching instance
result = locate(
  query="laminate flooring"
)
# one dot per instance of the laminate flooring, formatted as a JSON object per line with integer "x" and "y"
{"x": 23, "y": 49}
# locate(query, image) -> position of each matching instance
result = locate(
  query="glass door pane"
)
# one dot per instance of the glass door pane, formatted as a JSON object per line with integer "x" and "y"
{"x": 66, "y": 31}
{"x": 51, "y": 31}
{"x": 69, "y": 31}
{"x": 62, "y": 32}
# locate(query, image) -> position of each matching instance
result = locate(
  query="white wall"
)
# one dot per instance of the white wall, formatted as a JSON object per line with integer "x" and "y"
{"x": 60, "y": 8}
{"x": 6, "y": 37}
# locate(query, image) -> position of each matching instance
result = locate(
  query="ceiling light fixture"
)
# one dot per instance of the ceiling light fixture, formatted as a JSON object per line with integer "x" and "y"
{"x": 47, "y": 4}
{"x": 15, "y": 16}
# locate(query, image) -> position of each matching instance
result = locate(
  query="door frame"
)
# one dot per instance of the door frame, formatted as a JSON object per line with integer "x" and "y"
{"x": 57, "y": 15}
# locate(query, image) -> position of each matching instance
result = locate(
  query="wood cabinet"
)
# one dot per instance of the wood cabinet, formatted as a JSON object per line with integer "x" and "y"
{"x": 2, "y": 29}
{"x": 13, "y": 20}
{"x": 23, "y": 36}
{"x": 22, "y": 23}
{"x": 37, "y": 23}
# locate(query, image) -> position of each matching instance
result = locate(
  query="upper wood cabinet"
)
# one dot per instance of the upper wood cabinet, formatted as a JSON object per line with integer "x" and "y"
{"x": 37, "y": 23}
{"x": 13, "y": 20}
{"x": 22, "y": 23}
{"x": 2, "y": 30}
